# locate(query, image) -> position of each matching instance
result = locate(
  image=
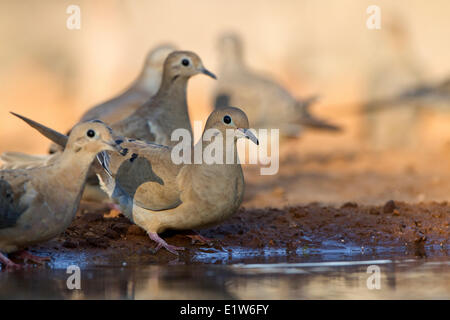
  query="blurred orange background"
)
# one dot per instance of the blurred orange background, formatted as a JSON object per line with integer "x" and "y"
{"x": 52, "y": 74}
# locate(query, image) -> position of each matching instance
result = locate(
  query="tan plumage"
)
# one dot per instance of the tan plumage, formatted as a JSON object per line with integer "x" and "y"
{"x": 37, "y": 204}
{"x": 266, "y": 103}
{"x": 158, "y": 195}
{"x": 167, "y": 110}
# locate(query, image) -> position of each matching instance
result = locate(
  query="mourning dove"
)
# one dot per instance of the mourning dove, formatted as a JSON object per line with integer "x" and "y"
{"x": 266, "y": 103}
{"x": 155, "y": 120}
{"x": 38, "y": 204}
{"x": 158, "y": 194}
{"x": 167, "y": 110}
{"x": 143, "y": 88}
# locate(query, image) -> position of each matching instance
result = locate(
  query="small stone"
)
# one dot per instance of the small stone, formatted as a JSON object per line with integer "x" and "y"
{"x": 349, "y": 205}
{"x": 389, "y": 206}
{"x": 89, "y": 234}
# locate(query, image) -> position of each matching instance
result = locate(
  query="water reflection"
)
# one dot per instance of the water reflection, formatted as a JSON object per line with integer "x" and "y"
{"x": 410, "y": 279}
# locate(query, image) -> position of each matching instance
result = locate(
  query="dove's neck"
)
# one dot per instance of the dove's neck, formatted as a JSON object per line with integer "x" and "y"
{"x": 73, "y": 167}
{"x": 173, "y": 89}
{"x": 220, "y": 149}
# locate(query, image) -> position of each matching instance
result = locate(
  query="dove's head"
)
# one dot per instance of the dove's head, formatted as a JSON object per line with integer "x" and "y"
{"x": 230, "y": 48}
{"x": 184, "y": 64}
{"x": 156, "y": 57}
{"x": 92, "y": 137}
{"x": 231, "y": 118}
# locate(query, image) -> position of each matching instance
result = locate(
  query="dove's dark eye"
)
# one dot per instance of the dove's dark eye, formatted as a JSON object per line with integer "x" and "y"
{"x": 185, "y": 62}
{"x": 227, "y": 119}
{"x": 90, "y": 133}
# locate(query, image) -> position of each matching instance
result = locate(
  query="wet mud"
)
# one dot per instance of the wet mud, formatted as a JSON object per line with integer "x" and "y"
{"x": 290, "y": 234}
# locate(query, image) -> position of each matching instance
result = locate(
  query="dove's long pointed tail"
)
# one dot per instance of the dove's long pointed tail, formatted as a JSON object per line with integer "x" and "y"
{"x": 308, "y": 120}
{"x": 18, "y": 160}
{"x": 55, "y": 136}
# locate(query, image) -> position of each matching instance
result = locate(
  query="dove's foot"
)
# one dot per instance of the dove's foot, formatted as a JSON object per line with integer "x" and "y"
{"x": 161, "y": 243}
{"x": 198, "y": 237}
{"x": 9, "y": 265}
{"x": 27, "y": 256}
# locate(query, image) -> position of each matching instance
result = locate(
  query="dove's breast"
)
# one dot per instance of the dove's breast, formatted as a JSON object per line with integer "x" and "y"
{"x": 216, "y": 192}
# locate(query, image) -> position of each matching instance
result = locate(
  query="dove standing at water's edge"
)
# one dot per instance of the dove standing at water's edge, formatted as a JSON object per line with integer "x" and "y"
{"x": 158, "y": 195}
{"x": 38, "y": 204}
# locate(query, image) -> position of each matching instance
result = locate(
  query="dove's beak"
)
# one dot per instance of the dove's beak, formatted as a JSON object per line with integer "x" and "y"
{"x": 208, "y": 73}
{"x": 248, "y": 134}
{"x": 114, "y": 146}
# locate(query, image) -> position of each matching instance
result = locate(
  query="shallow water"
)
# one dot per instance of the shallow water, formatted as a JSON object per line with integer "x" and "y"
{"x": 409, "y": 278}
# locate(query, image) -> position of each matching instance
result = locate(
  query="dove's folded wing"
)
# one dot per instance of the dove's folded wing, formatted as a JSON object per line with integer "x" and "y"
{"x": 15, "y": 197}
{"x": 146, "y": 174}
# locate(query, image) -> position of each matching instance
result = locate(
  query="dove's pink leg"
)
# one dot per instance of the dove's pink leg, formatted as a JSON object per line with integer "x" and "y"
{"x": 114, "y": 206}
{"x": 8, "y": 263}
{"x": 161, "y": 243}
{"x": 198, "y": 237}
{"x": 26, "y": 256}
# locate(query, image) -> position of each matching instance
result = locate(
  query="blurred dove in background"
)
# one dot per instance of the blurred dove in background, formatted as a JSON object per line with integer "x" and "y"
{"x": 266, "y": 103}
{"x": 426, "y": 95}
{"x": 143, "y": 88}
{"x": 396, "y": 68}
{"x": 140, "y": 91}
{"x": 38, "y": 204}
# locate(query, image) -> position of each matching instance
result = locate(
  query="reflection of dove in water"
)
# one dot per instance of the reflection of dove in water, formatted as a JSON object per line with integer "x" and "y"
{"x": 266, "y": 103}
{"x": 158, "y": 195}
{"x": 38, "y": 204}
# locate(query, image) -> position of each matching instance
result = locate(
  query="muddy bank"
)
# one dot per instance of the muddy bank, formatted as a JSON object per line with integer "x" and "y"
{"x": 289, "y": 233}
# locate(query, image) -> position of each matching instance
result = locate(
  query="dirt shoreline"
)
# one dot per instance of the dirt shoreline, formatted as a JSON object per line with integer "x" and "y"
{"x": 423, "y": 229}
